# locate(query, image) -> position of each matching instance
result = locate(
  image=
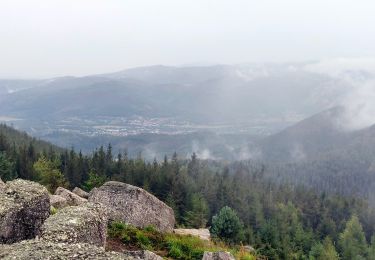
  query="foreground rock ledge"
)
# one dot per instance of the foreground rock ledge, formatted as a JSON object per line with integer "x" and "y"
{"x": 39, "y": 249}
{"x": 86, "y": 223}
{"x": 134, "y": 206}
{"x": 24, "y": 206}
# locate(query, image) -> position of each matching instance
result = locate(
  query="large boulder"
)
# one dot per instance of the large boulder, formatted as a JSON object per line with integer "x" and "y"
{"x": 71, "y": 198}
{"x": 134, "y": 206}
{"x": 80, "y": 192}
{"x": 218, "y": 256}
{"x": 86, "y": 223}
{"x": 24, "y": 206}
{"x": 58, "y": 202}
{"x": 41, "y": 249}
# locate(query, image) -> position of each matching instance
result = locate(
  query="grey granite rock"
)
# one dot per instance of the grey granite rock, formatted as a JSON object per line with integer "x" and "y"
{"x": 145, "y": 255}
{"x": 134, "y": 206}
{"x": 71, "y": 198}
{"x": 24, "y": 206}
{"x": 218, "y": 256}
{"x": 41, "y": 249}
{"x": 86, "y": 223}
{"x": 81, "y": 193}
{"x": 58, "y": 202}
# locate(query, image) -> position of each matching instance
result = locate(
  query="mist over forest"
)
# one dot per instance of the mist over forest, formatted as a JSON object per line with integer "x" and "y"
{"x": 187, "y": 130}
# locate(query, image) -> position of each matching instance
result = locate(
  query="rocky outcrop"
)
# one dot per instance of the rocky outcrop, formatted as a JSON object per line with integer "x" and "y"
{"x": 145, "y": 255}
{"x": 218, "y": 256}
{"x": 58, "y": 202}
{"x": 202, "y": 233}
{"x": 71, "y": 198}
{"x": 24, "y": 206}
{"x": 86, "y": 223}
{"x": 40, "y": 249}
{"x": 80, "y": 192}
{"x": 134, "y": 206}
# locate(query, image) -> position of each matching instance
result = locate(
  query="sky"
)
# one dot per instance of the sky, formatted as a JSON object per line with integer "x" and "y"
{"x": 48, "y": 38}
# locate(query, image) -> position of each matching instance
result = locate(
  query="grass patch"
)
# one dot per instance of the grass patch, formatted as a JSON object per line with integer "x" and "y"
{"x": 169, "y": 245}
{"x": 52, "y": 210}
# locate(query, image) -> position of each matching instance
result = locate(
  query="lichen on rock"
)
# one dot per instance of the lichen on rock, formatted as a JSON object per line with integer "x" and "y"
{"x": 58, "y": 202}
{"x": 41, "y": 249}
{"x": 80, "y": 192}
{"x": 134, "y": 206}
{"x": 218, "y": 256}
{"x": 143, "y": 254}
{"x": 86, "y": 223}
{"x": 24, "y": 206}
{"x": 71, "y": 198}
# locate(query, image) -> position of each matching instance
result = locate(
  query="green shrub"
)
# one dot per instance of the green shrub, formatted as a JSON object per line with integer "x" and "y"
{"x": 143, "y": 241}
{"x": 172, "y": 245}
{"x": 175, "y": 252}
{"x": 189, "y": 246}
{"x": 150, "y": 228}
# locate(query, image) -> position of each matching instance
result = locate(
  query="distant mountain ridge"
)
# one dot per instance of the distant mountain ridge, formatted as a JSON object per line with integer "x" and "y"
{"x": 211, "y": 93}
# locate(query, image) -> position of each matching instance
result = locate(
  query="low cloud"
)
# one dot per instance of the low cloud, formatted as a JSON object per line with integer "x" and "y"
{"x": 358, "y": 96}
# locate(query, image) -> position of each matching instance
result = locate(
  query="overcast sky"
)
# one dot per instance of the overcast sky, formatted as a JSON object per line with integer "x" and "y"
{"x": 77, "y": 37}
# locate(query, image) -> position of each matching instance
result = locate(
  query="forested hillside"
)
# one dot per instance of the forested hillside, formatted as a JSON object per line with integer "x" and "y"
{"x": 279, "y": 221}
{"x": 321, "y": 152}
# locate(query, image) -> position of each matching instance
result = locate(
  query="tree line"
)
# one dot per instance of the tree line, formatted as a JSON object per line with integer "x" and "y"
{"x": 280, "y": 221}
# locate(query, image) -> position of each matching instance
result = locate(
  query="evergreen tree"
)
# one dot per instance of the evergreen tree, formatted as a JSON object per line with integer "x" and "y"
{"x": 371, "y": 253}
{"x": 196, "y": 216}
{"x": 325, "y": 251}
{"x": 94, "y": 180}
{"x": 7, "y": 169}
{"x": 227, "y": 226}
{"x": 352, "y": 241}
{"x": 49, "y": 175}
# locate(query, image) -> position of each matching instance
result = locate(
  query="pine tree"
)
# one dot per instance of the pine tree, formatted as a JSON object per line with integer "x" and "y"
{"x": 227, "y": 226}
{"x": 352, "y": 240}
{"x": 325, "y": 251}
{"x": 7, "y": 169}
{"x": 371, "y": 253}
{"x": 49, "y": 175}
{"x": 197, "y": 214}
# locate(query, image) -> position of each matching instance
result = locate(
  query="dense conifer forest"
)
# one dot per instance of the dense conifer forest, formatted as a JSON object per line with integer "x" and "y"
{"x": 280, "y": 221}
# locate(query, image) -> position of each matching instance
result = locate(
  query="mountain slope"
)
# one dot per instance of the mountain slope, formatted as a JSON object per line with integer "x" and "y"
{"x": 11, "y": 137}
{"x": 321, "y": 153}
{"x": 213, "y": 93}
